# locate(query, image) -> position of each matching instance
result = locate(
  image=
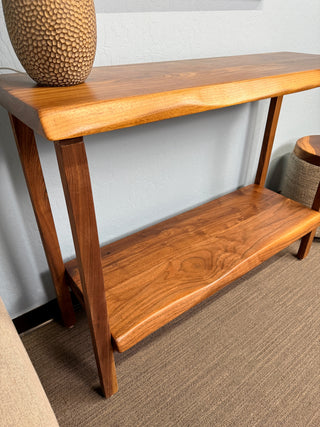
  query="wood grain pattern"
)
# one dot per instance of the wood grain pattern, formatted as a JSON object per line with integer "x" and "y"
{"x": 76, "y": 183}
{"x": 145, "y": 280}
{"x": 308, "y": 149}
{"x": 129, "y": 95}
{"x": 154, "y": 275}
{"x": 32, "y": 170}
{"x": 268, "y": 139}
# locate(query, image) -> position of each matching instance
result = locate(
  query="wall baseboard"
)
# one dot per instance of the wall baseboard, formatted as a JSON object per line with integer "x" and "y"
{"x": 40, "y": 315}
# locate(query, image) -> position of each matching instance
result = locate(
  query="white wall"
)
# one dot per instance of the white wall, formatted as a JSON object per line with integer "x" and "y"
{"x": 141, "y": 175}
{"x": 174, "y": 5}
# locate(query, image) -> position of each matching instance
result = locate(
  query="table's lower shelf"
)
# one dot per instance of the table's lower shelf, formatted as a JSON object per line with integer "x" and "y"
{"x": 154, "y": 275}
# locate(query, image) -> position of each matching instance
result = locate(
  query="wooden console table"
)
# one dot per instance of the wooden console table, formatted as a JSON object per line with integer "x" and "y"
{"x": 134, "y": 286}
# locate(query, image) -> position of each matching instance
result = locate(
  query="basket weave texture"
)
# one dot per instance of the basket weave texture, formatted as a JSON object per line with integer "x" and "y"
{"x": 301, "y": 181}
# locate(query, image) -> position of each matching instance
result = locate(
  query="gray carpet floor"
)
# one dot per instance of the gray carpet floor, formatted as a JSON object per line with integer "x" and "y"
{"x": 248, "y": 356}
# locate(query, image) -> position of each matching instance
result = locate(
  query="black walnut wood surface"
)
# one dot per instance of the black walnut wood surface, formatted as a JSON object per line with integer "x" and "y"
{"x": 128, "y": 95}
{"x": 29, "y": 157}
{"x": 308, "y": 149}
{"x": 136, "y": 285}
{"x": 76, "y": 183}
{"x": 158, "y": 273}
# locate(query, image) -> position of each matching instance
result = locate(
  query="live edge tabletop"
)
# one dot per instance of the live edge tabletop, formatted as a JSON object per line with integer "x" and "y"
{"x": 127, "y": 95}
{"x": 134, "y": 286}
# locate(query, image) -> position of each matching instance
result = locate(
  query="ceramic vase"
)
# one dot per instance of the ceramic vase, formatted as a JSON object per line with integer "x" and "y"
{"x": 55, "y": 40}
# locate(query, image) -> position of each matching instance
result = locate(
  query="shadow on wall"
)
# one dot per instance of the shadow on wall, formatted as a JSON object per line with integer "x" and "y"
{"x": 249, "y": 161}
{"x": 278, "y": 168}
{"x": 278, "y": 164}
{"x": 19, "y": 238}
{"x": 119, "y": 6}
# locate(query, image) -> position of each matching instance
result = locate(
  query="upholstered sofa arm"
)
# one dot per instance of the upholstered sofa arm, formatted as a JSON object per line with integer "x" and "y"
{"x": 23, "y": 401}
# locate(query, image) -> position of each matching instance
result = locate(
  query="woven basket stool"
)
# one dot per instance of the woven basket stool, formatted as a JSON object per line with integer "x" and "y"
{"x": 302, "y": 179}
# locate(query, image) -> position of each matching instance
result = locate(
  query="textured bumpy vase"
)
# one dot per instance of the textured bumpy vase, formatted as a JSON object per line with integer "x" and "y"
{"x": 55, "y": 40}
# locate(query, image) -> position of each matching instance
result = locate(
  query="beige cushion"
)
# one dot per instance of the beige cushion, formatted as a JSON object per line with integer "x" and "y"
{"x": 23, "y": 400}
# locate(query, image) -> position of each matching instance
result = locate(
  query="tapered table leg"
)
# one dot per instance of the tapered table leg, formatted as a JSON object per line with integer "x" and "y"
{"x": 266, "y": 149}
{"x": 75, "y": 178}
{"x": 267, "y": 144}
{"x": 31, "y": 166}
